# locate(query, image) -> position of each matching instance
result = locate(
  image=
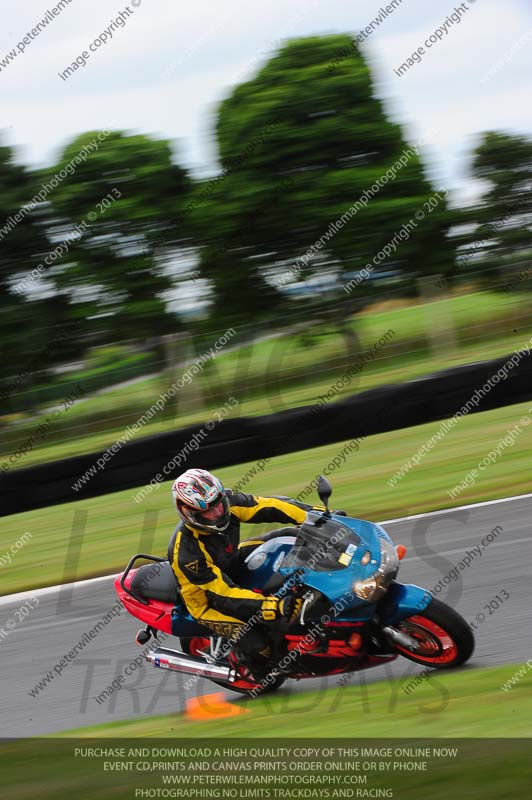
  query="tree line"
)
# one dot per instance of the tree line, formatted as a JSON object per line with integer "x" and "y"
{"x": 93, "y": 247}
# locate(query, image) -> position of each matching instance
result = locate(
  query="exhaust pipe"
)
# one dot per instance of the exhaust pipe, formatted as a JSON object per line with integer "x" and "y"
{"x": 190, "y": 665}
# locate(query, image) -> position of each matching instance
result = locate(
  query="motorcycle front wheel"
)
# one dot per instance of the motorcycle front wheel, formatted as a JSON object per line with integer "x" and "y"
{"x": 443, "y": 637}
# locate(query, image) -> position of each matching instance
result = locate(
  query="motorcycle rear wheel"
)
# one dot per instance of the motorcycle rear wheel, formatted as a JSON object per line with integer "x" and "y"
{"x": 444, "y": 638}
{"x": 193, "y": 646}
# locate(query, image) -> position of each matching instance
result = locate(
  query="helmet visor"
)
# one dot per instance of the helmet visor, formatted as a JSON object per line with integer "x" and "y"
{"x": 216, "y": 517}
{"x": 213, "y": 514}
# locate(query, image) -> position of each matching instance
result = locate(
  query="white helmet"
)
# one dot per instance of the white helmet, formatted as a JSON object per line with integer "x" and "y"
{"x": 197, "y": 491}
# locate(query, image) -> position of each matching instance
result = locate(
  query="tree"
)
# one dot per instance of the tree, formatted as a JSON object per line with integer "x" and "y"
{"x": 312, "y": 120}
{"x": 23, "y": 240}
{"x": 117, "y": 211}
{"x": 503, "y": 218}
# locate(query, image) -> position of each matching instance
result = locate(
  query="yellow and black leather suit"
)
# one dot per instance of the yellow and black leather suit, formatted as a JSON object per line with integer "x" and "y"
{"x": 202, "y": 562}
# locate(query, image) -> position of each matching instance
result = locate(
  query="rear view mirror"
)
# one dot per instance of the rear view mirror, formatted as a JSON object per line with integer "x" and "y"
{"x": 324, "y": 491}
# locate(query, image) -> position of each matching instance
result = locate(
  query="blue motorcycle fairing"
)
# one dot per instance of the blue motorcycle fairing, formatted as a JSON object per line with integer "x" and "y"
{"x": 267, "y": 559}
{"x": 381, "y": 532}
{"x": 264, "y": 561}
{"x": 403, "y": 600}
{"x": 333, "y": 584}
{"x": 185, "y": 625}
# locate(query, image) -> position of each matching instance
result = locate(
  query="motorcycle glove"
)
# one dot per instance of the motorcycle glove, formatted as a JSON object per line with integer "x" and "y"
{"x": 286, "y": 609}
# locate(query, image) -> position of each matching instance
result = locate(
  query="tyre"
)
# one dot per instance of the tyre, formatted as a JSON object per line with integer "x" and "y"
{"x": 444, "y": 638}
{"x": 251, "y": 687}
{"x": 194, "y": 645}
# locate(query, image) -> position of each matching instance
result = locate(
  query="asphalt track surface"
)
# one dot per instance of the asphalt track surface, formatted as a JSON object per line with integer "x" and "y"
{"x": 436, "y": 543}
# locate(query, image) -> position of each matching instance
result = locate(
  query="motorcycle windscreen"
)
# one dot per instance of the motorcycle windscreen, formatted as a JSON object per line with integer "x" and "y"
{"x": 323, "y": 547}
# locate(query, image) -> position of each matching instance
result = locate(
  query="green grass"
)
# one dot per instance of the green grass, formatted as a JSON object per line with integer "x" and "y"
{"x": 112, "y": 524}
{"x": 452, "y": 709}
{"x": 482, "y": 770}
{"x": 488, "y": 325}
{"x": 462, "y": 704}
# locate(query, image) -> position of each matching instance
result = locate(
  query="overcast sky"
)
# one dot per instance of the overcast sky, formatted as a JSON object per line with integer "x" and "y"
{"x": 172, "y": 62}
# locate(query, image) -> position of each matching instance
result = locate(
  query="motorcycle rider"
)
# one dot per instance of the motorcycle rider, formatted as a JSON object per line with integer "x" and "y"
{"x": 204, "y": 554}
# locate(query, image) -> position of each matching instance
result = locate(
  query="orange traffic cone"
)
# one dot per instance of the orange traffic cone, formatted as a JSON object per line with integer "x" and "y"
{"x": 212, "y": 706}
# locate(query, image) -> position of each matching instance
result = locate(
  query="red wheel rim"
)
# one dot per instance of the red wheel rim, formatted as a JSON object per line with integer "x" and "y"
{"x": 435, "y": 644}
{"x": 243, "y": 681}
{"x": 198, "y": 643}
{"x": 245, "y": 685}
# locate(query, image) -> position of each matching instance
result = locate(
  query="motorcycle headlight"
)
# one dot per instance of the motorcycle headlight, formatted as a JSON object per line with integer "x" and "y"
{"x": 365, "y": 589}
{"x": 389, "y": 559}
{"x": 373, "y": 588}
